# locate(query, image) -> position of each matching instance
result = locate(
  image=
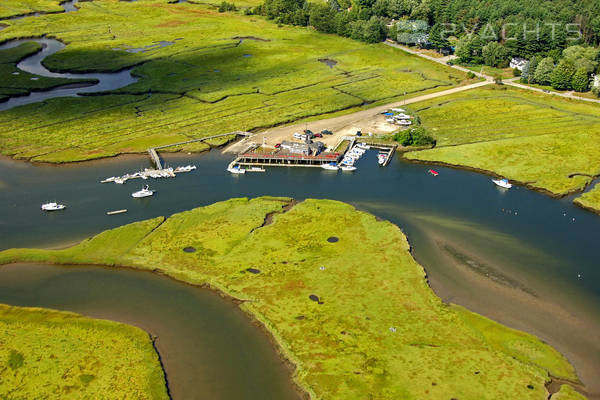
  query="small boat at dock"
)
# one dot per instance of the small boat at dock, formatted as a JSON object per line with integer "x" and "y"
{"x": 107, "y": 180}
{"x": 236, "y": 170}
{"x": 256, "y": 169}
{"x": 116, "y": 212}
{"x": 53, "y": 206}
{"x": 145, "y": 192}
{"x": 330, "y": 167}
{"x": 503, "y": 183}
{"x": 348, "y": 168}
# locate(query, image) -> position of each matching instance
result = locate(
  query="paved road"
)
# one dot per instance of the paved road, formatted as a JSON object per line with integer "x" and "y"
{"x": 569, "y": 95}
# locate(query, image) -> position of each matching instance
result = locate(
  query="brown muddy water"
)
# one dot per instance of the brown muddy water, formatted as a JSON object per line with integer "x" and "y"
{"x": 209, "y": 347}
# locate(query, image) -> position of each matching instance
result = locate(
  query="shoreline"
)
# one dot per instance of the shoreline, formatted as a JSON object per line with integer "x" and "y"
{"x": 526, "y": 185}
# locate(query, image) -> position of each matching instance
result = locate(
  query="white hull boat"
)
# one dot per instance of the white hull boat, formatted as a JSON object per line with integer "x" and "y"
{"x": 348, "y": 168}
{"x": 503, "y": 183}
{"x": 256, "y": 169}
{"x": 236, "y": 170}
{"x": 53, "y": 206}
{"x": 145, "y": 192}
{"x": 330, "y": 167}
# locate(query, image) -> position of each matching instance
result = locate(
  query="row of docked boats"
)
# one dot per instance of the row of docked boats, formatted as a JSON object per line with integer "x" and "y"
{"x": 237, "y": 170}
{"x": 350, "y": 158}
{"x": 150, "y": 173}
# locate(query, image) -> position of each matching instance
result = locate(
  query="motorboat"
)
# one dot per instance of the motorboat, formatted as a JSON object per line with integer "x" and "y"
{"x": 54, "y": 206}
{"x": 433, "y": 172}
{"x": 404, "y": 122}
{"x": 502, "y": 183}
{"x": 111, "y": 179}
{"x": 363, "y": 146}
{"x": 381, "y": 159}
{"x": 348, "y": 168}
{"x": 331, "y": 167}
{"x": 236, "y": 170}
{"x": 256, "y": 169}
{"x": 145, "y": 192}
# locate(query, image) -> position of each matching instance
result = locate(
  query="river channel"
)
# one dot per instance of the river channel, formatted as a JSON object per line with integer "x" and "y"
{"x": 517, "y": 256}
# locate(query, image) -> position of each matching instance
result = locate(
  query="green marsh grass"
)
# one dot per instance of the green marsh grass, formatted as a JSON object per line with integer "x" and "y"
{"x": 549, "y": 143}
{"x": 378, "y": 329}
{"x": 47, "y": 354}
{"x": 224, "y": 72}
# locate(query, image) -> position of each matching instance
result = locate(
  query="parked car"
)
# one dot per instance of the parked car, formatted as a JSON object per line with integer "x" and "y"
{"x": 318, "y": 135}
{"x": 326, "y": 132}
{"x": 278, "y": 145}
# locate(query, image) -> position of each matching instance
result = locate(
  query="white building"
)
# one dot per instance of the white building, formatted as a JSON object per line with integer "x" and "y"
{"x": 518, "y": 63}
{"x": 596, "y": 81}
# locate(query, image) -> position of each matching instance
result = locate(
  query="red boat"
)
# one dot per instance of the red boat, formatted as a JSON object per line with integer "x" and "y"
{"x": 433, "y": 172}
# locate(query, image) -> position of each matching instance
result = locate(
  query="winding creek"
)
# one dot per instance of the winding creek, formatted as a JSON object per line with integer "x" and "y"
{"x": 519, "y": 257}
{"x": 33, "y": 64}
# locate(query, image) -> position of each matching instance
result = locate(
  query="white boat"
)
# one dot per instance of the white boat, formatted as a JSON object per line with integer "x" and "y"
{"x": 120, "y": 181}
{"x": 54, "y": 206}
{"x": 398, "y": 110}
{"x": 401, "y": 116}
{"x": 331, "y": 167}
{"x": 404, "y": 122}
{"x": 363, "y": 146}
{"x": 145, "y": 192}
{"x": 236, "y": 170}
{"x": 256, "y": 169}
{"x": 116, "y": 212}
{"x": 502, "y": 183}
{"x": 111, "y": 179}
{"x": 348, "y": 168}
{"x": 381, "y": 158}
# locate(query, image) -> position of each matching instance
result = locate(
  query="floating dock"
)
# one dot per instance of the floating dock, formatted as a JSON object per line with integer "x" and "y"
{"x": 389, "y": 148}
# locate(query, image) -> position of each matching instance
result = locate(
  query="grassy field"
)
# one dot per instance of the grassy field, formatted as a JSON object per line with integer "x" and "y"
{"x": 19, "y": 7}
{"x": 217, "y": 73}
{"x": 549, "y": 143}
{"x": 355, "y": 315}
{"x": 57, "y": 355}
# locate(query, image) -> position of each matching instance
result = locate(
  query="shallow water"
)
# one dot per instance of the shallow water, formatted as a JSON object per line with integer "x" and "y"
{"x": 516, "y": 256}
{"x": 208, "y": 346}
{"x": 33, "y": 64}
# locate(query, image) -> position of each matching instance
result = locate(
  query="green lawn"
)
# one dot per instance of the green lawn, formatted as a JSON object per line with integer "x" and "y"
{"x": 377, "y": 330}
{"x": 48, "y": 354}
{"x": 549, "y": 143}
{"x": 223, "y": 72}
{"x": 10, "y": 8}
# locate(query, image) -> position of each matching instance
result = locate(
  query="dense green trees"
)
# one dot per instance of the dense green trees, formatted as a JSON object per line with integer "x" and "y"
{"x": 562, "y": 75}
{"x": 581, "y": 80}
{"x": 550, "y": 33}
{"x": 543, "y": 72}
{"x": 495, "y": 55}
{"x": 414, "y": 137}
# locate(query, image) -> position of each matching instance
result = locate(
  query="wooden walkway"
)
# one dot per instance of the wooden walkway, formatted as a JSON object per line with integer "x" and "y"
{"x": 156, "y": 159}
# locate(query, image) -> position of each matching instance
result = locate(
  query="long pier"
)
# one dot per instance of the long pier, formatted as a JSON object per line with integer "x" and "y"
{"x": 152, "y": 151}
{"x": 155, "y": 158}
